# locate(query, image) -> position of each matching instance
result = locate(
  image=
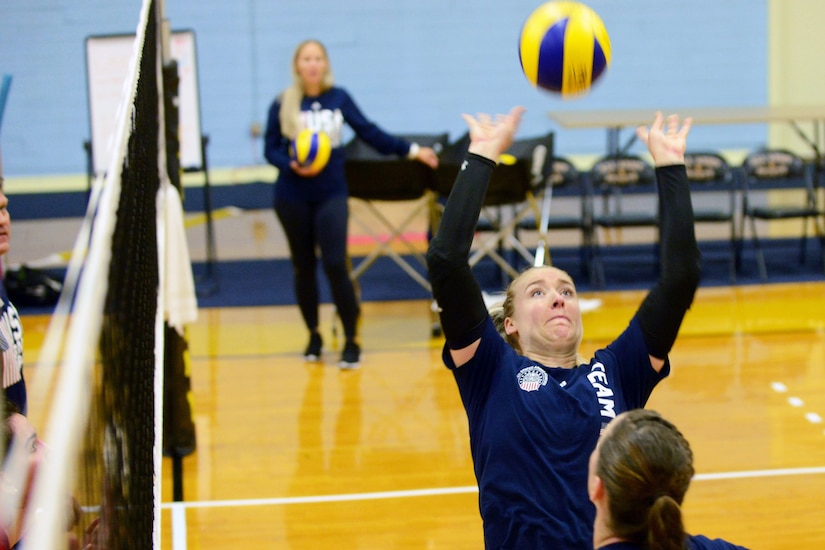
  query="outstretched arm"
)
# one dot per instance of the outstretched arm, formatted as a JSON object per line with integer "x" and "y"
{"x": 456, "y": 291}
{"x": 380, "y": 140}
{"x": 664, "y": 307}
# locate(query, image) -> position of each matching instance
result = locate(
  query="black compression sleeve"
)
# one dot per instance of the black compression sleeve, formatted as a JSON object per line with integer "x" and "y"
{"x": 454, "y": 288}
{"x": 664, "y": 308}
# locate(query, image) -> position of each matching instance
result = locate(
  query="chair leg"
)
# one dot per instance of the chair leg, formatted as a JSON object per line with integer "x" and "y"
{"x": 822, "y": 251}
{"x": 803, "y": 246}
{"x": 733, "y": 259}
{"x": 740, "y": 243}
{"x": 734, "y": 253}
{"x": 803, "y": 242}
{"x": 760, "y": 256}
{"x": 584, "y": 261}
{"x": 820, "y": 233}
{"x": 596, "y": 264}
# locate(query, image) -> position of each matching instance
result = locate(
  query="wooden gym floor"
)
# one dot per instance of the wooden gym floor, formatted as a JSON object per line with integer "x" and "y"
{"x": 295, "y": 455}
{"x": 304, "y": 456}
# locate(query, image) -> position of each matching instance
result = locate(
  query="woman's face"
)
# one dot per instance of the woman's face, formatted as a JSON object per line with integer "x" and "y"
{"x": 5, "y": 224}
{"x": 25, "y": 448}
{"x": 546, "y": 312}
{"x": 311, "y": 65}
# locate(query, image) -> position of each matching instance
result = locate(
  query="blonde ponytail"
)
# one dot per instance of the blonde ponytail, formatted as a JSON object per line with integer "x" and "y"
{"x": 290, "y": 113}
{"x": 499, "y": 312}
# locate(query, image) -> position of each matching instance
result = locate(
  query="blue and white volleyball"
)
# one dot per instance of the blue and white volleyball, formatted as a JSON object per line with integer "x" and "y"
{"x": 564, "y": 48}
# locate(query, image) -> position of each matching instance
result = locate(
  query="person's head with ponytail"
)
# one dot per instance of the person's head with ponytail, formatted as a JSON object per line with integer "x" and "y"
{"x": 639, "y": 474}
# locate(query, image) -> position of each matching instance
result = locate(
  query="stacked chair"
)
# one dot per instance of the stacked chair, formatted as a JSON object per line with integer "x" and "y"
{"x": 713, "y": 191}
{"x": 766, "y": 173}
{"x": 513, "y": 196}
{"x": 623, "y": 194}
{"x": 564, "y": 181}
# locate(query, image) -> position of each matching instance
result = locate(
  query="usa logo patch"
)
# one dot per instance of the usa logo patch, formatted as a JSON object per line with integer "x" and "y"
{"x": 531, "y": 378}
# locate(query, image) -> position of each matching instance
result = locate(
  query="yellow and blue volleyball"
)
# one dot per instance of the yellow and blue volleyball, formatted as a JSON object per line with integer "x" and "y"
{"x": 564, "y": 48}
{"x": 311, "y": 149}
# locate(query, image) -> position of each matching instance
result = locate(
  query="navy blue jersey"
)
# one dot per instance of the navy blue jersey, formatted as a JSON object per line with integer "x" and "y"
{"x": 11, "y": 351}
{"x": 695, "y": 542}
{"x": 533, "y": 428}
{"x": 326, "y": 112}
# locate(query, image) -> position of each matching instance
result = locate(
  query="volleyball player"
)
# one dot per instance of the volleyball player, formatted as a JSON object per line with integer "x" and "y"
{"x": 11, "y": 329}
{"x": 638, "y": 476}
{"x": 312, "y": 205}
{"x": 535, "y": 409}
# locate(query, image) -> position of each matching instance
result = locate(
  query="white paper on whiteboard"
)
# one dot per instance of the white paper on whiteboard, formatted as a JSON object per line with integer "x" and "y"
{"x": 107, "y": 64}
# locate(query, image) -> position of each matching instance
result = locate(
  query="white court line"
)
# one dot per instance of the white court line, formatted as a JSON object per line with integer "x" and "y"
{"x": 322, "y": 498}
{"x": 448, "y": 491}
{"x": 179, "y": 508}
{"x": 178, "y": 529}
{"x": 761, "y": 473}
{"x": 779, "y": 387}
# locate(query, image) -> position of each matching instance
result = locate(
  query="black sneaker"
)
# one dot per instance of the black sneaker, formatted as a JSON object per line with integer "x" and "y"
{"x": 313, "y": 351}
{"x": 351, "y": 356}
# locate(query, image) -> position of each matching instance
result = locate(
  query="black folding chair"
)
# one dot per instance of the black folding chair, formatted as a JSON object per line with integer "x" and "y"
{"x": 374, "y": 178}
{"x": 713, "y": 192}
{"x": 626, "y": 188}
{"x": 563, "y": 182}
{"x": 512, "y": 197}
{"x": 767, "y": 173}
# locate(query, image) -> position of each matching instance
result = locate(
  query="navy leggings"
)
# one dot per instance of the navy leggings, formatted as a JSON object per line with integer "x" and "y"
{"x": 320, "y": 226}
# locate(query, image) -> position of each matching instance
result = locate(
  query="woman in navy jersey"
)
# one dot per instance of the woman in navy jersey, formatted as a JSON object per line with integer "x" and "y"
{"x": 535, "y": 408}
{"x": 11, "y": 329}
{"x": 312, "y": 205}
{"x": 639, "y": 474}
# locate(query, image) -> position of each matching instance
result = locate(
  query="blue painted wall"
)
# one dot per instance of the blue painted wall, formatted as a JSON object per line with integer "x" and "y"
{"x": 412, "y": 66}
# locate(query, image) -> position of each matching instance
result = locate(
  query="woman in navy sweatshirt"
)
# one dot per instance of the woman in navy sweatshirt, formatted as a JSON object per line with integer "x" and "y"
{"x": 312, "y": 205}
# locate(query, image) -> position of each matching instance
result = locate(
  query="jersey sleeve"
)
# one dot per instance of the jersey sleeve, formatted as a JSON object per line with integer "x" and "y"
{"x": 454, "y": 287}
{"x": 367, "y": 130}
{"x": 475, "y": 378}
{"x": 631, "y": 364}
{"x": 665, "y": 306}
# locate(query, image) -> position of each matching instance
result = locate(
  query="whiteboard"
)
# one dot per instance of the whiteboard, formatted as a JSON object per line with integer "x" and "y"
{"x": 107, "y": 65}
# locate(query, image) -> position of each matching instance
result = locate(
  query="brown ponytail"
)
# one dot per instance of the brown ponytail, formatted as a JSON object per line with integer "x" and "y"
{"x": 646, "y": 465}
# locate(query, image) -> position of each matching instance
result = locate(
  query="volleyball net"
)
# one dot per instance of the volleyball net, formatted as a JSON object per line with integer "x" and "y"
{"x": 102, "y": 361}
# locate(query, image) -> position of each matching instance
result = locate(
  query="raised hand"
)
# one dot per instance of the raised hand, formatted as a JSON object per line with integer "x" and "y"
{"x": 666, "y": 146}
{"x": 491, "y": 136}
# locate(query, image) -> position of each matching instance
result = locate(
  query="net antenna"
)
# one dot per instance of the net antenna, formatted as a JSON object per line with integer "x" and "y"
{"x": 104, "y": 423}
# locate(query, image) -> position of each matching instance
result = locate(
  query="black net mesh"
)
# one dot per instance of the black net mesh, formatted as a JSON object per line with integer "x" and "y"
{"x": 117, "y": 477}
